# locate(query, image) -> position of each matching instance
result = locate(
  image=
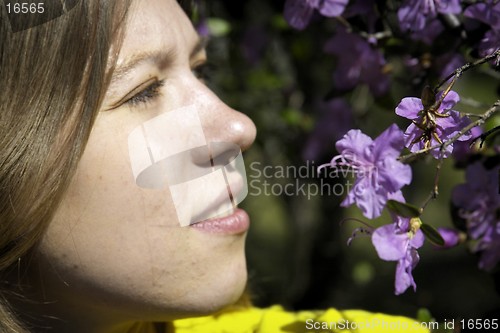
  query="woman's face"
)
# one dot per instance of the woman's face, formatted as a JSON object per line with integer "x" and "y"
{"x": 117, "y": 249}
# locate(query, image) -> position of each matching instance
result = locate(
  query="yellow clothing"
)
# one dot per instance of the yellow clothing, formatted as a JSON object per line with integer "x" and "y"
{"x": 277, "y": 320}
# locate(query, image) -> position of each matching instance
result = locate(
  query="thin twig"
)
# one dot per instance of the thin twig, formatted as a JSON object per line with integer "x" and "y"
{"x": 435, "y": 191}
{"x": 470, "y": 115}
{"x": 455, "y": 75}
{"x": 459, "y": 71}
{"x": 485, "y": 135}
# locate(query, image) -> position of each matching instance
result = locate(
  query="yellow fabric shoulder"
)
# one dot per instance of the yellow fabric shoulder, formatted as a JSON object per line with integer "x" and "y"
{"x": 276, "y": 320}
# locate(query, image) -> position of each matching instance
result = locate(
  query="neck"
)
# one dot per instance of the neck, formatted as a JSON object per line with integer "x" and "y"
{"x": 42, "y": 308}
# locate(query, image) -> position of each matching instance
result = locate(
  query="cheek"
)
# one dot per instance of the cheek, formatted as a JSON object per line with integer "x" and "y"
{"x": 104, "y": 211}
{"x": 105, "y": 222}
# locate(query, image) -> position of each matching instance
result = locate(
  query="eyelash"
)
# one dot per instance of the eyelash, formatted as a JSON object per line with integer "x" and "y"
{"x": 202, "y": 72}
{"x": 146, "y": 95}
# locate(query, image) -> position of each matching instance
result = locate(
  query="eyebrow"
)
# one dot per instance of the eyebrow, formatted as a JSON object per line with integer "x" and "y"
{"x": 157, "y": 56}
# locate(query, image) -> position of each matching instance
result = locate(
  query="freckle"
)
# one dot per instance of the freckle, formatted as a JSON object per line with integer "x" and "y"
{"x": 75, "y": 266}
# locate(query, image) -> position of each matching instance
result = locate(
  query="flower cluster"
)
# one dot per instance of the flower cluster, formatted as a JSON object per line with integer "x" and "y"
{"x": 479, "y": 204}
{"x": 358, "y": 63}
{"x": 299, "y": 12}
{"x": 416, "y": 15}
{"x": 359, "y": 47}
{"x": 412, "y": 42}
{"x": 379, "y": 178}
{"x": 487, "y": 12}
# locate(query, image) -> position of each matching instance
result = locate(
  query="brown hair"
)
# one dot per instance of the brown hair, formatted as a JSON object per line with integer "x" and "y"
{"x": 52, "y": 80}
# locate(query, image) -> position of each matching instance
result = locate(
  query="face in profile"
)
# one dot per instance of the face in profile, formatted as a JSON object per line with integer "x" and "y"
{"x": 115, "y": 250}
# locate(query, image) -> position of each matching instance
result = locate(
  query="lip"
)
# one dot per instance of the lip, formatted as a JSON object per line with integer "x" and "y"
{"x": 237, "y": 222}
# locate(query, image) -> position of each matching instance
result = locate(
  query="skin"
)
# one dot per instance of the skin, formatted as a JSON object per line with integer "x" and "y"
{"x": 114, "y": 253}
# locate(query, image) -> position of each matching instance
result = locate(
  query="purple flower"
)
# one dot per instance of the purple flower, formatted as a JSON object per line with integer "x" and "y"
{"x": 335, "y": 119}
{"x": 434, "y": 129}
{"x": 446, "y": 63}
{"x": 298, "y": 13}
{"x": 429, "y": 32}
{"x": 379, "y": 174}
{"x": 490, "y": 251}
{"x": 414, "y": 14}
{"x": 254, "y": 43}
{"x": 399, "y": 242}
{"x": 487, "y": 12}
{"x": 358, "y": 62}
{"x": 479, "y": 204}
{"x": 202, "y": 28}
{"x": 490, "y": 43}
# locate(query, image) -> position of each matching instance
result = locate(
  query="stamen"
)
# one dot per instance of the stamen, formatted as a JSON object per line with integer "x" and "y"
{"x": 360, "y": 231}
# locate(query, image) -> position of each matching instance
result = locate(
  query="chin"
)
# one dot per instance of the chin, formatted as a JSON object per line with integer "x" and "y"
{"x": 217, "y": 286}
{"x": 223, "y": 291}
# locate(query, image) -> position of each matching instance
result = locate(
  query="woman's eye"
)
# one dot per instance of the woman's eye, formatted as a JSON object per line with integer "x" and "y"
{"x": 147, "y": 95}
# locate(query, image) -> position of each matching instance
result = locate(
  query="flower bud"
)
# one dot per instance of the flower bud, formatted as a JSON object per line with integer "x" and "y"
{"x": 452, "y": 237}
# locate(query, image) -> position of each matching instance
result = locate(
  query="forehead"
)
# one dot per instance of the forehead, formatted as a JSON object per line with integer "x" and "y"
{"x": 154, "y": 25}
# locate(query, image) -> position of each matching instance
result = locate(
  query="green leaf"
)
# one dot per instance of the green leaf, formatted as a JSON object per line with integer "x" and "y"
{"x": 218, "y": 27}
{"x": 403, "y": 209}
{"x": 279, "y": 22}
{"x": 432, "y": 234}
{"x": 424, "y": 315}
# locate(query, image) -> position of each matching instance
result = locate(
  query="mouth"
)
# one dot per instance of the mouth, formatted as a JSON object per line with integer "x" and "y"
{"x": 237, "y": 222}
{"x": 231, "y": 219}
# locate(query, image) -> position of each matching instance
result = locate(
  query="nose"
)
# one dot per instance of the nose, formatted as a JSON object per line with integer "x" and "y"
{"x": 223, "y": 124}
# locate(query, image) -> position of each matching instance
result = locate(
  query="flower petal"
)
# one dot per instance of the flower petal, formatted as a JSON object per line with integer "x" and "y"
{"x": 332, "y": 8}
{"x": 354, "y": 143}
{"x": 409, "y": 107}
{"x": 404, "y": 278}
{"x": 417, "y": 240}
{"x": 449, "y": 7}
{"x": 365, "y": 196}
{"x": 452, "y": 125}
{"x": 393, "y": 175}
{"x": 298, "y": 13}
{"x": 389, "y": 244}
{"x": 449, "y": 101}
{"x": 389, "y": 143}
